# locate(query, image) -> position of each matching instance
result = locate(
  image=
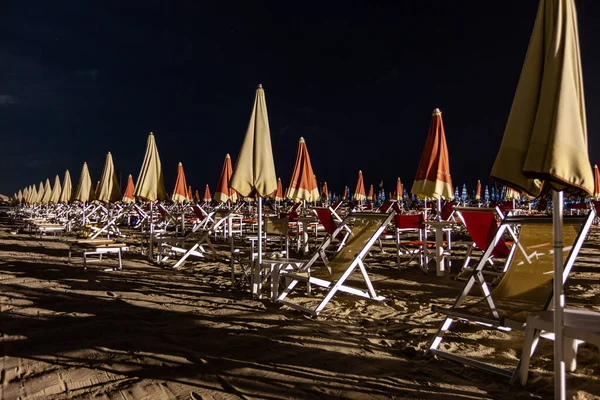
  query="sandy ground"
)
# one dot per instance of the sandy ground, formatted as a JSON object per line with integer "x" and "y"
{"x": 149, "y": 332}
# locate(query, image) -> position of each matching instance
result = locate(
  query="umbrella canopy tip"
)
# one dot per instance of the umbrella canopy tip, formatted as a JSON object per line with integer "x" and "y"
{"x": 180, "y": 164}
{"x": 227, "y": 155}
{"x": 360, "y": 171}
{"x": 151, "y": 133}
{"x": 259, "y": 86}
{"x": 301, "y": 139}
{"x": 436, "y": 112}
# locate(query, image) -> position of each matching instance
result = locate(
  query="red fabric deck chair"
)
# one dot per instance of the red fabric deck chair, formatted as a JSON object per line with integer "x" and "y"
{"x": 414, "y": 248}
{"x": 482, "y": 224}
{"x": 447, "y": 213}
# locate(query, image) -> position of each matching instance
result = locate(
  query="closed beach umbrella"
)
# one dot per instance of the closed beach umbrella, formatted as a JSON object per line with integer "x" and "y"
{"x": 486, "y": 193}
{"x": 303, "y": 185}
{"x": 359, "y": 192}
{"x": 197, "y": 196}
{"x": 20, "y": 196}
{"x": 207, "y": 197}
{"x": 371, "y": 195}
{"x": 464, "y": 194}
{"x": 190, "y": 194}
{"x": 35, "y": 198}
{"x": 399, "y": 190}
{"x": 67, "y": 189}
{"x": 96, "y": 189}
{"x": 596, "y": 182}
{"x": 180, "y": 189}
{"x": 325, "y": 191}
{"x": 512, "y": 194}
{"x": 478, "y": 190}
{"x": 150, "y": 185}
{"x": 128, "y": 197}
{"x": 47, "y": 192}
{"x": 255, "y": 168}
{"x": 346, "y": 191}
{"x": 545, "y": 140}
{"x": 56, "y": 190}
{"x": 224, "y": 193}
{"x": 109, "y": 190}
{"x": 84, "y": 192}
{"x": 279, "y": 193}
{"x": 433, "y": 179}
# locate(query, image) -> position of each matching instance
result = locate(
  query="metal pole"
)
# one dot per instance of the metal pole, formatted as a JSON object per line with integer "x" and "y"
{"x": 559, "y": 299}
{"x": 151, "y": 242}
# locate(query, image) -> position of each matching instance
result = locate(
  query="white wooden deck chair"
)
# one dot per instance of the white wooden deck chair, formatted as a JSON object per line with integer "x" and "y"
{"x": 526, "y": 286}
{"x": 99, "y": 247}
{"x": 367, "y": 227}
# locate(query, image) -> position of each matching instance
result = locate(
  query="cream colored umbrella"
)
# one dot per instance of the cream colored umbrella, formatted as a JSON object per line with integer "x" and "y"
{"x": 20, "y": 196}
{"x": 303, "y": 185}
{"x": 180, "y": 194}
{"x": 40, "y": 193}
{"x": 128, "y": 197}
{"x": 26, "y": 192}
{"x": 150, "y": 184}
{"x": 224, "y": 193}
{"x": 84, "y": 192}
{"x": 545, "y": 140}
{"x": 56, "y": 190}
{"x": 47, "y": 192}
{"x": 255, "y": 169}
{"x": 34, "y": 195}
{"x": 67, "y": 189}
{"x": 109, "y": 190}
{"x": 596, "y": 182}
{"x": 359, "y": 192}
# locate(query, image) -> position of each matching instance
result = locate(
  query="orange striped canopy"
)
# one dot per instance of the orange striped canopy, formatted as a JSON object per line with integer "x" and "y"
{"x": 303, "y": 185}
{"x": 371, "y": 194}
{"x": 399, "y": 190}
{"x": 128, "y": 196}
{"x": 224, "y": 193}
{"x": 359, "y": 192}
{"x": 197, "y": 196}
{"x": 433, "y": 175}
{"x": 279, "y": 193}
{"x": 596, "y": 182}
{"x": 180, "y": 190}
{"x": 325, "y": 191}
{"x": 190, "y": 194}
{"x": 207, "y": 196}
{"x": 478, "y": 190}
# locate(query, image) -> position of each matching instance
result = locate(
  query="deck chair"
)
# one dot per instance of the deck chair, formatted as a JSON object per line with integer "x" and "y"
{"x": 526, "y": 286}
{"x": 481, "y": 224}
{"x": 330, "y": 221}
{"x": 203, "y": 218}
{"x": 415, "y": 248}
{"x": 367, "y": 227}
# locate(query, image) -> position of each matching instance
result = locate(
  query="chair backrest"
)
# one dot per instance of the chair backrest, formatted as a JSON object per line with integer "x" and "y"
{"x": 198, "y": 212}
{"x": 409, "y": 221}
{"x": 447, "y": 210}
{"x": 277, "y": 226}
{"x": 527, "y": 283}
{"x": 367, "y": 227}
{"x": 482, "y": 224}
{"x": 389, "y": 206}
{"x": 326, "y": 218}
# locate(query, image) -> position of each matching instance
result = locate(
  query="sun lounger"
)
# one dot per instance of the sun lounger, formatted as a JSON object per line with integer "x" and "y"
{"x": 46, "y": 228}
{"x": 367, "y": 227}
{"x": 526, "y": 286}
{"x": 100, "y": 247}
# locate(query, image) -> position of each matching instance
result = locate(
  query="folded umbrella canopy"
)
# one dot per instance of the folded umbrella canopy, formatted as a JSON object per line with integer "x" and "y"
{"x": 303, "y": 185}
{"x": 545, "y": 140}
{"x": 255, "y": 169}
{"x": 190, "y": 194}
{"x": 109, "y": 190}
{"x": 224, "y": 193}
{"x": 399, "y": 190}
{"x": 56, "y": 190}
{"x": 359, "y": 192}
{"x": 67, "y": 189}
{"x": 47, "y": 192}
{"x": 128, "y": 197}
{"x": 197, "y": 196}
{"x": 150, "y": 185}
{"x": 325, "y": 192}
{"x": 371, "y": 195}
{"x": 433, "y": 179}
{"x": 207, "y": 197}
{"x": 20, "y": 196}
{"x": 279, "y": 193}
{"x": 84, "y": 192}
{"x": 478, "y": 190}
{"x": 180, "y": 189}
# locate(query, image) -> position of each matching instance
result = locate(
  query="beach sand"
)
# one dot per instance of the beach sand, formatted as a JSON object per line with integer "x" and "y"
{"x": 149, "y": 332}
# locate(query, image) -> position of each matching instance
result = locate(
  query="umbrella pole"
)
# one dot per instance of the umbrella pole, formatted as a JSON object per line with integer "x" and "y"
{"x": 559, "y": 299}
{"x": 257, "y": 284}
{"x": 439, "y": 205}
{"x": 151, "y": 239}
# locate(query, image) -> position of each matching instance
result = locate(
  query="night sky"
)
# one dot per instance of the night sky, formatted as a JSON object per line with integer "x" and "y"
{"x": 358, "y": 81}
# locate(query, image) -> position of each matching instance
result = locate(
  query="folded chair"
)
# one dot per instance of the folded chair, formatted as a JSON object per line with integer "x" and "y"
{"x": 366, "y": 229}
{"x": 526, "y": 286}
{"x": 330, "y": 221}
{"x": 415, "y": 248}
{"x": 481, "y": 224}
